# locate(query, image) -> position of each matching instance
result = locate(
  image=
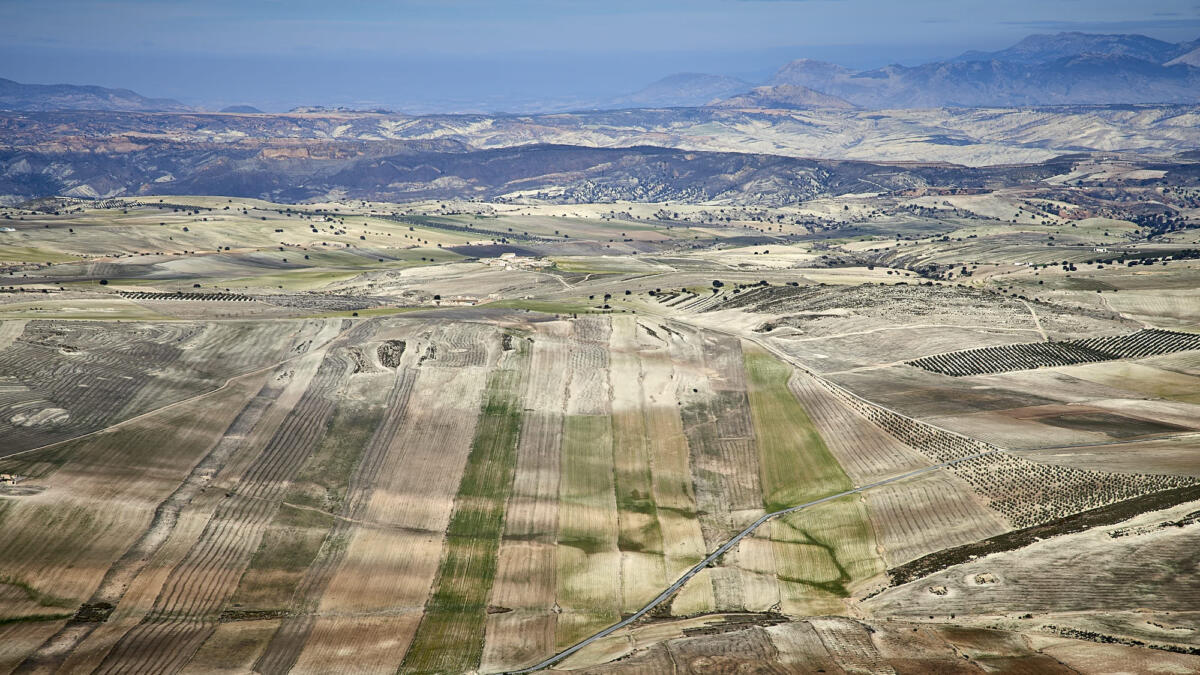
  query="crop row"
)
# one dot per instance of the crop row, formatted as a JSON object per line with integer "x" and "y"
{"x": 187, "y": 607}
{"x": 91, "y": 372}
{"x": 1006, "y": 358}
{"x": 99, "y": 373}
{"x": 1027, "y": 493}
{"x": 180, "y": 295}
{"x": 286, "y": 644}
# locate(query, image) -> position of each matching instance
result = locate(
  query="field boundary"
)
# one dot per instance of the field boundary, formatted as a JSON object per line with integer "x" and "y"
{"x": 857, "y": 402}
{"x": 711, "y": 558}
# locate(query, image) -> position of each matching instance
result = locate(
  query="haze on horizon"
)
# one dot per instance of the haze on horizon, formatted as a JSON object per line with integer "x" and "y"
{"x": 467, "y": 55}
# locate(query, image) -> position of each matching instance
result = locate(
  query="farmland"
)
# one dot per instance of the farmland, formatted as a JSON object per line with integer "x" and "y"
{"x": 465, "y": 436}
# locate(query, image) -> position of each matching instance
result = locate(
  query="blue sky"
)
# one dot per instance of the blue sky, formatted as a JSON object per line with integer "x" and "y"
{"x": 467, "y": 54}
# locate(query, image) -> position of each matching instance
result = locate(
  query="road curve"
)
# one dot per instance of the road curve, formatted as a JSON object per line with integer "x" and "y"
{"x": 712, "y": 557}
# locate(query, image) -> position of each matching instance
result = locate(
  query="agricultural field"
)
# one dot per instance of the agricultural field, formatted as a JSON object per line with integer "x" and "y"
{"x": 896, "y": 433}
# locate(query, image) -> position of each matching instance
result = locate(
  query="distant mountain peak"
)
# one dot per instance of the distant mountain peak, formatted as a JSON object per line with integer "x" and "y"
{"x": 1045, "y": 47}
{"x": 1061, "y": 69}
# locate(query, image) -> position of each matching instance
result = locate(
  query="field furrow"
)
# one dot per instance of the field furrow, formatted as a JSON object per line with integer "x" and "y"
{"x": 191, "y": 599}
{"x": 865, "y": 451}
{"x": 822, "y": 553}
{"x": 640, "y": 536}
{"x": 671, "y": 477}
{"x": 929, "y": 513}
{"x": 375, "y": 598}
{"x": 288, "y": 640}
{"x": 450, "y": 635}
{"x": 526, "y": 562}
{"x": 588, "y": 559}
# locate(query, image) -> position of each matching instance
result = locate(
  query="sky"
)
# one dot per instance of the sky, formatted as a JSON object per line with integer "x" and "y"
{"x": 426, "y": 55}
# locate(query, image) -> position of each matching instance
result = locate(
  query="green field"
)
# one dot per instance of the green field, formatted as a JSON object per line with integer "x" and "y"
{"x": 796, "y": 465}
{"x": 450, "y": 636}
{"x": 824, "y": 550}
{"x": 822, "y": 553}
{"x": 587, "y": 541}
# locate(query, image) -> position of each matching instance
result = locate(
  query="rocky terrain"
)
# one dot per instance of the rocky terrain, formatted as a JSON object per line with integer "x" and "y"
{"x": 741, "y": 155}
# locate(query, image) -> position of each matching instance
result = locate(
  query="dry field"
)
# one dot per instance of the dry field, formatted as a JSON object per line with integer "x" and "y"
{"x": 448, "y": 493}
{"x": 403, "y": 453}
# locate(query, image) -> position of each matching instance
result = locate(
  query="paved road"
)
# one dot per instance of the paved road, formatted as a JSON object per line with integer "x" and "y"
{"x": 712, "y": 557}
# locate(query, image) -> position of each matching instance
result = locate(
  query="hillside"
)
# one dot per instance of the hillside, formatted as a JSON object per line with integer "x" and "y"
{"x": 1191, "y": 58}
{"x": 782, "y": 96}
{"x": 1046, "y": 47}
{"x": 557, "y": 173}
{"x": 18, "y": 96}
{"x": 109, "y": 154}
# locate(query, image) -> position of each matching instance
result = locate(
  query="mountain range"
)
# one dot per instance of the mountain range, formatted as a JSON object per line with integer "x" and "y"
{"x": 1044, "y": 48}
{"x": 18, "y": 96}
{"x": 706, "y": 153}
{"x": 1083, "y": 79}
{"x": 1061, "y": 69}
{"x": 437, "y": 170}
{"x": 1040, "y": 70}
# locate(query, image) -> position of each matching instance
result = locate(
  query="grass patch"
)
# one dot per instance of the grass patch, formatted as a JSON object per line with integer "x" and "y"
{"x": 287, "y": 549}
{"x": 796, "y": 467}
{"x": 19, "y": 254}
{"x": 582, "y": 266}
{"x": 588, "y": 529}
{"x": 40, "y": 597}
{"x": 639, "y": 526}
{"x": 29, "y": 618}
{"x": 294, "y": 538}
{"x": 450, "y": 636}
{"x": 822, "y": 551}
{"x": 546, "y": 306}
{"x": 325, "y": 477}
{"x": 364, "y": 313}
{"x": 302, "y": 279}
{"x": 50, "y": 307}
